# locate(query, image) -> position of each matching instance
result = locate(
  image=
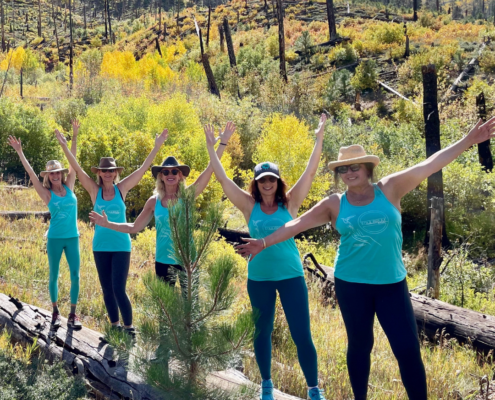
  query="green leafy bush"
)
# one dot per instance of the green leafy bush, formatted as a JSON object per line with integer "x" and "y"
{"x": 365, "y": 76}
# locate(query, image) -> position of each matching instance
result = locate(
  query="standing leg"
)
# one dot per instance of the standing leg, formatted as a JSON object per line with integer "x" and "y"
{"x": 120, "y": 270}
{"x": 54, "y": 248}
{"x": 294, "y": 297}
{"x": 103, "y": 261}
{"x": 358, "y": 311}
{"x": 395, "y": 313}
{"x": 263, "y": 296}
{"x": 73, "y": 259}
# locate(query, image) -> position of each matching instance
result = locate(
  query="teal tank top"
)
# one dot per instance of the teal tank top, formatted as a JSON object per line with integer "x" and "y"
{"x": 280, "y": 261}
{"x": 63, "y": 216}
{"x": 370, "y": 249}
{"x": 106, "y": 239}
{"x": 164, "y": 243}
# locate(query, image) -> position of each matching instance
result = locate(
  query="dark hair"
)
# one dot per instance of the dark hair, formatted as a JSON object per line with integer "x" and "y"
{"x": 369, "y": 166}
{"x": 280, "y": 194}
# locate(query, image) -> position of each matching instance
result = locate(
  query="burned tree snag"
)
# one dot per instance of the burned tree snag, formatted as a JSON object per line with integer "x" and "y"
{"x": 109, "y": 21}
{"x": 222, "y": 38}
{"x": 212, "y": 85}
{"x": 415, "y": 10}
{"x": 157, "y": 44}
{"x": 407, "y": 51}
{"x": 105, "y": 18}
{"x": 332, "y": 29}
{"x": 55, "y": 29}
{"x": 84, "y": 14}
{"x": 21, "y": 84}
{"x": 71, "y": 50}
{"x": 230, "y": 44}
{"x": 484, "y": 152}
{"x": 281, "y": 40}
{"x": 2, "y": 23}
{"x": 209, "y": 22}
{"x": 39, "y": 18}
{"x": 435, "y": 248}
{"x": 432, "y": 139}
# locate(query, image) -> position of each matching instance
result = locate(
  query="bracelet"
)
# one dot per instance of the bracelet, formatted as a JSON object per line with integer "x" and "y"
{"x": 264, "y": 243}
{"x": 223, "y": 144}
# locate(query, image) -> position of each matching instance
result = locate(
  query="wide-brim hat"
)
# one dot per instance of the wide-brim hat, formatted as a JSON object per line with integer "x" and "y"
{"x": 53, "y": 166}
{"x": 353, "y": 154}
{"x": 107, "y": 163}
{"x": 170, "y": 162}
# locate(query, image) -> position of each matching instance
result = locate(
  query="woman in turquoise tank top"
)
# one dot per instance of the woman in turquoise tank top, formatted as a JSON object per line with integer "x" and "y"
{"x": 266, "y": 207}
{"x": 112, "y": 250}
{"x": 369, "y": 272}
{"x": 57, "y": 191}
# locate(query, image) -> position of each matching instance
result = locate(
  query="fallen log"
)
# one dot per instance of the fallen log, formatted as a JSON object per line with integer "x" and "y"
{"x": 388, "y": 88}
{"x": 466, "y": 71}
{"x": 13, "y": 215}
{"x": 433, "y": 317}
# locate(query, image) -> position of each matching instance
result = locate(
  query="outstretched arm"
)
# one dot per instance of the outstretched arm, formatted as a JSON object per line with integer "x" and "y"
{"x": 138, "y": 225}
{"x": 71, "y": 176}
{"x": 43, "y": 192}
{"x": 300, "y": 190}
{"x": 240, "y": 198}
{"x": 205, "y": 176}
{"x": 397, "y": 185}
{"x": 133, "y": 179}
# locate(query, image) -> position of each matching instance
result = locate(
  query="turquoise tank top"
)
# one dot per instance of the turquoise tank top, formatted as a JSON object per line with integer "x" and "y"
{"x": 277, "y": 262}
{"x": 370, "y": 249}
{"x": 63, "y": 212}
{"x": 106, "y": 239}
{"x": 164, "y": 243}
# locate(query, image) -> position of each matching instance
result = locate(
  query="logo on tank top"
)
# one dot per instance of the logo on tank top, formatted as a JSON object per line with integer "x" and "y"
{"x": 362, "y": 236}
{"x": 373, "y": 222}
{"x": 112, "y": 209}
{"x": 62, "y": 209}
{"x": 271, "y": 225}
{"x": 163, "y": 228}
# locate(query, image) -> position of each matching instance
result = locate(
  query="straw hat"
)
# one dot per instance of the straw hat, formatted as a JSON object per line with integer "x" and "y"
{"x": 353, "y": 154}
{"x": 53, "y": 166}
{"x": 107, "y": 163}
{"x": 171, "y": 162}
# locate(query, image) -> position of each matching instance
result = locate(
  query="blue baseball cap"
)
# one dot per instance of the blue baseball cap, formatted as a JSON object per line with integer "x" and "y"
{"x": 266, "y": 169}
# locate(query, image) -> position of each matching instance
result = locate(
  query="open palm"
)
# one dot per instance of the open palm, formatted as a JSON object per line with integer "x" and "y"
{"x": 321, "y": 126}
{"x": 15, "y": 143}
{"x": 482, "y": 131}
{"x": 161, "y": 138}
{"x": 61, "y": 138}
{"x": 210, "y": 135}
{"x": 227, "y": 132}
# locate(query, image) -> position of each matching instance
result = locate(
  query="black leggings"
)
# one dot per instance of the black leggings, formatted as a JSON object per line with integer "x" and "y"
{"x": 359, "y": 302}
{"x": 168, "y": 272}
{"x": 113, "y": 268}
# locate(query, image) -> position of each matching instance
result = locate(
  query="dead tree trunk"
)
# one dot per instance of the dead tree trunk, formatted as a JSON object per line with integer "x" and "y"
{"x": 55, "y": 29}
{"x": 39, "y": 18}
{"x": 415, "y": 10}
{"x": 178, "y": 10}
{"x": 432, "y": 139}
{"x": 230, "y": 44}
{"x": 212, "y": 85}
{"x": 281, "y": 40}
{"x": 71, "y": 50}
{"x": 109, "y": 22}
{"x": 21, "y": 82}
{"x": 209, "y": 21}
{"x": 105, "y": 19}
{"x": 332, "y": 29}
{"x": 484, "y": 151}
{"x": 465, "y": 73}
{"x": 84, "y": 14}
{"x": 2, "y": 23}
{"x": 435, "y": 248}
{"x": 222, "y": 38}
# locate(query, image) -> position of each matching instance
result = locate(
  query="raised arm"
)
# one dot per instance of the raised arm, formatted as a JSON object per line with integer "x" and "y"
{"x": 71, "y": 176}
{"x": 240, "y": 198}
{"x": 205, "y": 176}
{"x": 138, "y": 225}
{"x": 133, "y": 179}
{"x": 300, "y": 190}
{"x": 397, "y": 185}
{"x": 88, "y": 183}
{"x": 43, "y": 192}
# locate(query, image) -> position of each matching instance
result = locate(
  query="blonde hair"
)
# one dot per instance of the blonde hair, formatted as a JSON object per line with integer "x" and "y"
{"x": 160, "y": 186}
{"x": 47, "y": 184}
{"x": 99, "y": 182}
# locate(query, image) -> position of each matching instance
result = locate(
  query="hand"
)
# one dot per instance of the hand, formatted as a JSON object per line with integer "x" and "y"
{"x": 210, "y": 135}
{"x": 482, "y": 131}
{"x": 98, "y": 219}
{"x": 319, "y": 132}
{"x": 15, "y": 143}
{"x": 61, "y": 138}
{"x": 252, "y": 247}
{"x": 75, "y": 128}
{"x": 227, "y": 132}
{"x": 160, "y": 138}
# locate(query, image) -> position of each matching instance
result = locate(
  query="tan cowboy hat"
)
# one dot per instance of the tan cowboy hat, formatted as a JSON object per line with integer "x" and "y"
{"x": 353, "y": 154}
{"x": 53, "y": 166}
{"x": 107, "y": 163}
{"x": 170, "y": 162}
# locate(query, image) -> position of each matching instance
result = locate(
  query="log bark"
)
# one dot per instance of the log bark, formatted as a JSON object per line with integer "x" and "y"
{"x": 222, "y": 38}
{"x": 465, "y": 73}
{"x": 484, "y": 151}
{"x": 332, "y": 29}
{"x": 230, "y": 44}
{"x": 388, "y": 88}
{"x": 435, "y": 248}
{"x": 13, "y": 215}
{"x": 281, "y": 40}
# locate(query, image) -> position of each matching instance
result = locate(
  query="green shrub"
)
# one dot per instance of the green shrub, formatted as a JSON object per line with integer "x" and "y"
{"x": 68, "y": 110}
{"x": 365, "y": 76}
{"x": 487, "y": 61}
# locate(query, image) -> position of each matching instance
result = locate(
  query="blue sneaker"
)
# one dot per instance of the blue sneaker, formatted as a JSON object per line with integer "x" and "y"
{"x": 316, "y": 394}
{"x": 267, "y": 390}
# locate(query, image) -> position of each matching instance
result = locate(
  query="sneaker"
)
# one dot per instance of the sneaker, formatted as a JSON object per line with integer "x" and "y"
{"x": 131, "y": 332}
{"x": 266, "y": 390}
{"x": 74, "y": 322}
{"x": 316, "y": 394}
{"x": 56, "y": 321}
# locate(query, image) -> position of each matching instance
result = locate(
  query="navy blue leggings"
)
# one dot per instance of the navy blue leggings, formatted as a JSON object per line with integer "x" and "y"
{"x": 294, "y": 298}
{"x": 359, "y": 302}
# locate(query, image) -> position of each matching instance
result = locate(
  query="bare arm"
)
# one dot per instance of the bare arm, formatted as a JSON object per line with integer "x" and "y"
{"x": 138, "y": 225}
{"x": 71, "y": 176}
{"x": 43, "y": 192}
{"x": 397, "y": 185}
{"x": 133, "y": 179}
{"x": 240, "y": 198}
{"x": 205, "y": 176}
{"x": 300, "y": 190}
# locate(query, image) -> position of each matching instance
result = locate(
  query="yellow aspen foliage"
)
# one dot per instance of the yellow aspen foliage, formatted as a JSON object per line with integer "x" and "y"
{"x": 120, "y": 65}
{"x": 20, "y": 58}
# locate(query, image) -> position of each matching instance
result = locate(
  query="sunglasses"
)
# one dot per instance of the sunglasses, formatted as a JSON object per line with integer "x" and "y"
{"x": 107, "y": 170}
{"x": 166, "y": 172}
{"x": 344, "y": 168}
{"x": 272, "y": 179}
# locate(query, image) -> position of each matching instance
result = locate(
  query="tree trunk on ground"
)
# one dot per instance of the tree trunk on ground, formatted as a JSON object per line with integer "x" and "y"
{"x": 281, "y": 40}
{"x": 2, "y": 23}
{"x": 230, "y": 44}
{"x": 484, "y": 151}
{"x": 332, "y": 29}
{"x": 39, "y": 18}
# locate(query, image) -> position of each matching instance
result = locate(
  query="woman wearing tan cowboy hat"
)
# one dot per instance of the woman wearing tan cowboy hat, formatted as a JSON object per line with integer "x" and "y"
{"x": 369, "y": 272}
{"x": 112, "y": 250}
{"x": 57, "y": 191}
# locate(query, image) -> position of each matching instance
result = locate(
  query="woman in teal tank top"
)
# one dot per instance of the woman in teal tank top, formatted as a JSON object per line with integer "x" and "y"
{"x": 369, "y": 272}
{"x": 266, "y": 207}
{"x": 112, "y": 250}
{"x": 57, "y": 191}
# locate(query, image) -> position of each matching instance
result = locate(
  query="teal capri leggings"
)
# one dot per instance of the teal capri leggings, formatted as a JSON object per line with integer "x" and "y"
{"x": 294, "y": 298}
{"x": 55, "y": 248}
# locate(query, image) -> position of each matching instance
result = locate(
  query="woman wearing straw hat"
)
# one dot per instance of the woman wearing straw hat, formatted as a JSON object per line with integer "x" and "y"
{"x": 369, "y": 272}
{"x": 266, "y": 207}
{"x": 168, "y": 177}
{"x": 112, "y": 250}
{"x": 57, "y": 191}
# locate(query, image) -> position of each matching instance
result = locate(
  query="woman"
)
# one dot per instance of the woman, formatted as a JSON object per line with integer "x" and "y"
{"x": 168, "y": 177}
{"x": 369, "y": 272}
{"x": 112, "y": 250}
{"x": 57, "y": 191}
{"x": 266, "y": 207}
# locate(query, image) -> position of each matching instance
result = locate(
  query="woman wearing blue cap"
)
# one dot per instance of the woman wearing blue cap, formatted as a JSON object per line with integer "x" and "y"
{"x": 268, "y": 205}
